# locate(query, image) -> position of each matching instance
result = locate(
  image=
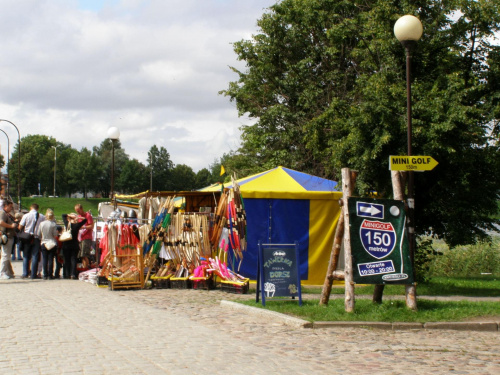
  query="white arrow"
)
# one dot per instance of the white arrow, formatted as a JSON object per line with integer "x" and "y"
{"x": 372, "y": 210}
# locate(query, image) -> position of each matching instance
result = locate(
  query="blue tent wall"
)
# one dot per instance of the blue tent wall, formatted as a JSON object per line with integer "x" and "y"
{"x": 276, "y": 221}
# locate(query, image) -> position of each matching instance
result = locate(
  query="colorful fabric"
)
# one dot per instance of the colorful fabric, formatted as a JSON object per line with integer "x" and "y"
{"x": 284, "y": 206}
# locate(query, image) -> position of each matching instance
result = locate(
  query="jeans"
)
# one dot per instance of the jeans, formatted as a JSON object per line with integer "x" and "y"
{"x": 31, "y": 251}
{"x": 59, "y": 266}
{"x": 48, "y": 261}
{"x": 17, "y": 246}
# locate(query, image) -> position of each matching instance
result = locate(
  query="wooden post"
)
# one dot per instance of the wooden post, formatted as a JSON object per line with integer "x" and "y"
{"x": 398, "y": 192}
{"x": 410, "y": 290}
{"x": 348, "y": 180}
{"x": 334, "y": 259}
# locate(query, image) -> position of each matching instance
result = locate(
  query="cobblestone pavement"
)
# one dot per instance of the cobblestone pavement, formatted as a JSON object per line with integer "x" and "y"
{"x": 72, "y": 327}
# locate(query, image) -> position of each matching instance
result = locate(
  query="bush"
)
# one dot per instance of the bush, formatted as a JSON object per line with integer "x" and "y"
{"x": 467, "y": 261}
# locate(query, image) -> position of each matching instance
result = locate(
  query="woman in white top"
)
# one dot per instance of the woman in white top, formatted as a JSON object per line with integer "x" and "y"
{"x": 47, "y": 232}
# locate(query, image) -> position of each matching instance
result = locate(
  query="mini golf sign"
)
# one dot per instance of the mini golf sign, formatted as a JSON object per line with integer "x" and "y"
{"x": 412, "y": 163}
{"x": 379, "y": 244}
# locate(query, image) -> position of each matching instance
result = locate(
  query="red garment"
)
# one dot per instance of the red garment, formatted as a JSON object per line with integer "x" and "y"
{"x": 103, "y": 243}
{"x": 86, "y": 234}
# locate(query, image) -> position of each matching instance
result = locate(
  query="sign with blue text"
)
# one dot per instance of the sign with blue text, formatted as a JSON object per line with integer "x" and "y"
{"x": 278, "y": 272}
{"x": 379, "y": 243}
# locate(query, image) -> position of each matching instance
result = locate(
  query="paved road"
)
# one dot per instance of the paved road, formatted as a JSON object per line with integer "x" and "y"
{"x": 71, "y": 327}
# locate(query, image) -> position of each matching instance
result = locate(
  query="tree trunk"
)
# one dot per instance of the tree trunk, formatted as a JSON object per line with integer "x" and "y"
{"x": 334, "y": 259}
{"x": 348, "y": 182}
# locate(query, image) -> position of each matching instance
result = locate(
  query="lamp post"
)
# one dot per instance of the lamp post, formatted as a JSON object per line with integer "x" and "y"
{"x": 8, "y": 155}
{"x": 18, "y": 164}
{"x": 150, "y": 172}
{"x": 113, "y": 134}
{"x": 55, "y": 165}
{"x": 408, "y": 30}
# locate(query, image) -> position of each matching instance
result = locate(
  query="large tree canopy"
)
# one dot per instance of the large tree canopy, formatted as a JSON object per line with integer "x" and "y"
{"x": 325, "y": 82}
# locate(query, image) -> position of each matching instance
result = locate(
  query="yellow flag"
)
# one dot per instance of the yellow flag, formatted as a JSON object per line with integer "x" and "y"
{"x": 222, "y": 170}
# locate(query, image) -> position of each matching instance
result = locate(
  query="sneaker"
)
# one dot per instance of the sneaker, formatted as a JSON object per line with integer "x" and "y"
{"x": 5, "y": 277}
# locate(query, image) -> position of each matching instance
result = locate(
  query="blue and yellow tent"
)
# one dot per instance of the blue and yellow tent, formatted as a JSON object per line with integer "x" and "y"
{"x": 284, "y": 206}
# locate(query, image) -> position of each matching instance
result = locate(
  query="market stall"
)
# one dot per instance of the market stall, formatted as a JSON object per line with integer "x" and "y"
{"x": 284, "y": 206}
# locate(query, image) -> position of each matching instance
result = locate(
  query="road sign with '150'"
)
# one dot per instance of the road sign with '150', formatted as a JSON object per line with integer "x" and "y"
{"x": 379, "y": 244}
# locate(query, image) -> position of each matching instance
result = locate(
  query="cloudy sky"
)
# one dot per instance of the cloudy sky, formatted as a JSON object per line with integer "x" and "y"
{"x": 71, "y": 69}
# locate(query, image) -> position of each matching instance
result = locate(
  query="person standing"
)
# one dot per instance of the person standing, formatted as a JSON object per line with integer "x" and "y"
{"x": 17, "y": 243}
{"x": 8, "y": 229}
{"x": 85, "y": 236}
{"x": 47, "y": 232}
{"x": 71, "y": 247}
{"x": 29, "y": 223}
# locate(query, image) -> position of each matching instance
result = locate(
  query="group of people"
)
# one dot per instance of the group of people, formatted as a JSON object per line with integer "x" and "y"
{"x": 38, "y": 235}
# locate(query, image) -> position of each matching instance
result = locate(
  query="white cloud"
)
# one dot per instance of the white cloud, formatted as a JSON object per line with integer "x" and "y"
{"x": 71, "y": 69}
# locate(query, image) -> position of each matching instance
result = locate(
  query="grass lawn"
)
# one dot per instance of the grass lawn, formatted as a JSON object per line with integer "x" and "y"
{"x": 480, "y": 286}
{"x": 388, "y": 311}
{"x": 63, "y": 205}
{"x": 396, "y": 310}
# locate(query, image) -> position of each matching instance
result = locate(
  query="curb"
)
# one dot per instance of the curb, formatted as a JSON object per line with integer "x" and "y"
{"x": 275, "y": 316}
{"x": 395, "y": 326}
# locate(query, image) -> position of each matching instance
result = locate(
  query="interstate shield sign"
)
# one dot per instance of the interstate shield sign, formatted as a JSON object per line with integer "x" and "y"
{"x": 379, "y": 244}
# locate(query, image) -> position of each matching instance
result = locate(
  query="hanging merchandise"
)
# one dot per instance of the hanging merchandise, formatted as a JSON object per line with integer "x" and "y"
{"x": 230, "y": 223}
{"x": 121, "y": 254}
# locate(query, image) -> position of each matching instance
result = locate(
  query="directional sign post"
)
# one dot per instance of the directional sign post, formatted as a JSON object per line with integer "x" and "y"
{"x": 412, "y": 163}
{"x": 379, "y": 244}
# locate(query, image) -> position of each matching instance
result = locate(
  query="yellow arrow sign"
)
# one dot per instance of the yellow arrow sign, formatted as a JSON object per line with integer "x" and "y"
{"x": 412, "y": 163}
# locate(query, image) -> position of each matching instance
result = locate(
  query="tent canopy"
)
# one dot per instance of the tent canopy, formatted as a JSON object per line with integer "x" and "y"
{"x": 284, "y": 183}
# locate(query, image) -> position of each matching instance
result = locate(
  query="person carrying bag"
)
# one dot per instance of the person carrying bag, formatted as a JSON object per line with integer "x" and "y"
{"x": 31, "y": 250}
{"x": 47, "y": 232}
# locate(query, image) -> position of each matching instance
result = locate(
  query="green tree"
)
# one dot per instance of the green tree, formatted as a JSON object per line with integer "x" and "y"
{"x": 325, "y": 82}
{"x": 134, "y": 177}
{"x": 203, "y": 178}
{"x": 36, "y": 169}
{"x": 183, "y": 178}
{"x": 82, "y": 170}
{"x": 104, "y": 152}
{"x": 161, "y": 168}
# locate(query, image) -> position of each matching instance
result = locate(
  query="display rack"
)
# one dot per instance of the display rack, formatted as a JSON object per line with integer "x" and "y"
{"x": 135, "y": 280}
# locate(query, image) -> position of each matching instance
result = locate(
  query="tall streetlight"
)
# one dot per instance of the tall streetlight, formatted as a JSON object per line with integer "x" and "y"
{"x": 55, "y": 165}
{"x": 408, "y": 30}
{"x": 18, "y": 164}
{"x": 150, "y": 171}
{"x": 113, "y": 134}
{"x": 8, "y": 155}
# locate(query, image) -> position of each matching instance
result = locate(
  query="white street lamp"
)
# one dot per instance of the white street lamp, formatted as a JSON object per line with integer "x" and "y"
{"x": 55, "y": 166}
{"x": 408, "y": 30}
{"x": 8, "y": 160}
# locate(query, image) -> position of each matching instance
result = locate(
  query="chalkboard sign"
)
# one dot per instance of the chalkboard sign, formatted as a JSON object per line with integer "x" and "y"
{"x": 278, "y": 272}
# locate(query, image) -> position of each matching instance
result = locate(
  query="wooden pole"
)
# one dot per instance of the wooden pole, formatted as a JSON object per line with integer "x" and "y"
{"x": 348, "y": 180}
{"x": 334, "y": 259}
{"x": 410, "y": 290}
{"x": 398, "y": 183}
{"x": 398, "y": 192}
